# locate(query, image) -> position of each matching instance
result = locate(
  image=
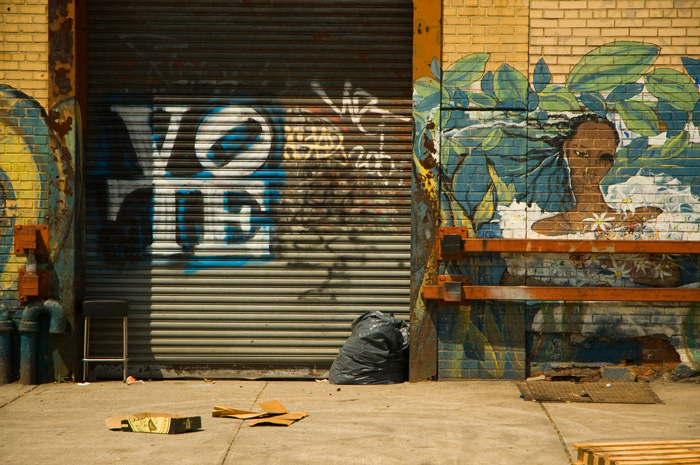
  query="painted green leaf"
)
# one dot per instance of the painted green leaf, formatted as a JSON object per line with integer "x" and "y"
{"x": 594, "y": 102}
{"x": 542, "y": 77}
{"x": 450, "y": 149}
{"x": 445, "y": 116}
{"x": 605, "y": 68}
{"x": 637, "y": 148}
{"x": 427, "y": 105}
{"x": 510, "y": 84}
{"x": 425, "y": 87}
{"x": 639, "y": 118}
{"x": 673, "y": 86}
{"x": 419, "y": 119}
{"x": 625, "y": 91}
{"x": 492, "y": 139}
{"x": 692, "y": 65}
{"x": 482, "y": 100}
{"x": 482, "y": 347}
{"x": 436, "y": 69}
{"x": 487, "y": 84}
{"x": 691, "y": 334}
{"x": 557, "y": 98}
{"x": 504, "y": 192}
{"x": 514, "y": 333}
{"x": 675, "y": 145}
{"x": 459, "y": 214}
{"x": 465, "y": 70}
{"x": 492, "y": 331}
{"x": 484, "y": 211}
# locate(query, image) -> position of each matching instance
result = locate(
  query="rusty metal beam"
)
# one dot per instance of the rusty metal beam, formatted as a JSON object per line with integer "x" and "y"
{"x": 427, "y": 45}
{"x": 568, "y": 293}
{"x": 580, "y": 246}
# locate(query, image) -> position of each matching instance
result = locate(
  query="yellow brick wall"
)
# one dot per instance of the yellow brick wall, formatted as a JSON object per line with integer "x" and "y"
{"x": 24, "y": 49}
{"x": 562, "y": 31}
{"x": 498, "y": 27}
{"x": 24, "y": 142}
{"x": 520, "y": 32}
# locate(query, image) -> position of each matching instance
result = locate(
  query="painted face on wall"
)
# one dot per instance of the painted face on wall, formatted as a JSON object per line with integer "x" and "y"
{"x": 591, "y": 154}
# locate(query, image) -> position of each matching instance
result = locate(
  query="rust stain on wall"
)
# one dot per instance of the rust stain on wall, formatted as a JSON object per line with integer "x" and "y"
{"x": 61, "y": 48}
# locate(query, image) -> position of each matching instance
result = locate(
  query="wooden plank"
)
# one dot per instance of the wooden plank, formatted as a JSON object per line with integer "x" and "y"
{"x": 616, "y": 458}
{"x": 658, "y": 462}
{"x": 588, "y": 445}
{"x": 639, "y": 452}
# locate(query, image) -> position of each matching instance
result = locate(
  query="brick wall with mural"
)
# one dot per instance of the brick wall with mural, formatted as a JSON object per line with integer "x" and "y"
{"x": 38, "y": 141}
{"x": 24, "y": 144}
{"x": 569, "y": 120}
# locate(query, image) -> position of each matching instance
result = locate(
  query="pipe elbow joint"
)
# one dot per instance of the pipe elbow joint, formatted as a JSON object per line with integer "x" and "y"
{"x": 58, "y": 316}
{"x": 30, "y": 317}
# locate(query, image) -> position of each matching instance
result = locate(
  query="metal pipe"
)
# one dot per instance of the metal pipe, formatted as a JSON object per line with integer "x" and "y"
{"x": 6, "y": 327}
{"x": 28, "y": 329}
{"x": 58, "y": 318}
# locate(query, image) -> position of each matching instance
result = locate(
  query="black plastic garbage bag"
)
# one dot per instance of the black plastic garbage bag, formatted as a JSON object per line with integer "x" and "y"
{"x": 375, "y": 353}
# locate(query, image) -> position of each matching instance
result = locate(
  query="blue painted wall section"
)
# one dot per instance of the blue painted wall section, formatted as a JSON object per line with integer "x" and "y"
{"x": 612, "y": 153}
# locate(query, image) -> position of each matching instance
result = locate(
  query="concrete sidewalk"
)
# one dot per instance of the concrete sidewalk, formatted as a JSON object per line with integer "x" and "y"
{"x": 454, "y": 422}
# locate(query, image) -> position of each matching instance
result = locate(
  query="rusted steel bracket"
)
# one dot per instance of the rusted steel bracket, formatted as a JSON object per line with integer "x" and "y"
{"x": 560, "y": 293}
{"x": 453, "y": 244}
{"x": 31, "y": 237}
{"x": 450, "y": 243}
{"x": 32, "y": 286}
{"x": 448, "y": 288}
{"x": 467, "y": 246}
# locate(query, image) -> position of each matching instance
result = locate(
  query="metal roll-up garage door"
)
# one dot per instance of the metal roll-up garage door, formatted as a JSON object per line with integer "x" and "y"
{"x": 247, "y": 178}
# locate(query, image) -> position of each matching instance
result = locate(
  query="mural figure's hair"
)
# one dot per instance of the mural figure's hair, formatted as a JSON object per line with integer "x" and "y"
{"x": 571, "y": 126}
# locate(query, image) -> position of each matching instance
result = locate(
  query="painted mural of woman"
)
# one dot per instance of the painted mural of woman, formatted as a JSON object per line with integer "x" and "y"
{"x": 588, "y": 147}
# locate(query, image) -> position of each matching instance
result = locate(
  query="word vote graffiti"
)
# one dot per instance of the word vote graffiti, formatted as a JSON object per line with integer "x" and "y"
{"x": 209, "y": 200}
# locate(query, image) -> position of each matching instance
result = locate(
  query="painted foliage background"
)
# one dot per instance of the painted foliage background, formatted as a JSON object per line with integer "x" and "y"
{"x": 497, "y": 141}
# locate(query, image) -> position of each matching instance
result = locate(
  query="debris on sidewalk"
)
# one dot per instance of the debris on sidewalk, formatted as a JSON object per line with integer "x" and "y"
{"x": 132, "y": 380}
{"x": 274, "y": 413}
{"x": 657, "y": 452}
{"x": 159, "y": 423}
{"x": 375, "y": 353}
{"x": 569, "y": 391}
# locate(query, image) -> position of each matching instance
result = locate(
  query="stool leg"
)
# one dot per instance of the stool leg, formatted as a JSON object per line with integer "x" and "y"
{"x": 126, "y": 350}
{"x": 86, "y": 346}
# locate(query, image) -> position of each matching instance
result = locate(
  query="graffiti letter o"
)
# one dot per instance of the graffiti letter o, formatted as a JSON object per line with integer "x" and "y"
{"x": 233, "y": 122}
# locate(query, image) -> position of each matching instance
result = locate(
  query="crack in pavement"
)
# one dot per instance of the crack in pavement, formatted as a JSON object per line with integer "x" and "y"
{"x": 19, "y": 396}
{"x": 559, "y": 435}
{"x": 235, "y": 434}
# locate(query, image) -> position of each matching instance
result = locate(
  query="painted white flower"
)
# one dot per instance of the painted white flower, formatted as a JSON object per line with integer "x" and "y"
{"x": 601, "y": 222}
{"x": 619, "y": 270}
{"x": 661, "y": 271}
{"x": 641, "y": 263}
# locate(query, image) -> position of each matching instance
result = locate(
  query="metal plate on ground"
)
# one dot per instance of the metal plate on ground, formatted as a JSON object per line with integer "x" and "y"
{"x": 556, "y": 391}
{"x": 568, "y": 391}
{"x": 621, "y": 393}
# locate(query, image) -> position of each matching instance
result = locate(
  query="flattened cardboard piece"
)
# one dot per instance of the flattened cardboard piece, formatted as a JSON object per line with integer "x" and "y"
{"x": 280, "y": 420}
{"x": 275, "y": 414}
{"x": 158, "y": 423}
{"x": 230, "y": 412}
{"x": 273, "y": 407}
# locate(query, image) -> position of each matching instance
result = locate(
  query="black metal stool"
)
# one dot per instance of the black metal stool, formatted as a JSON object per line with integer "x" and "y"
{"x": 105, "y": 308}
